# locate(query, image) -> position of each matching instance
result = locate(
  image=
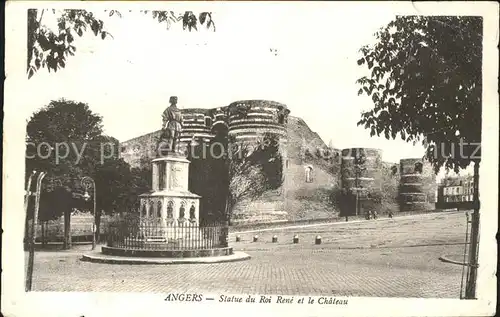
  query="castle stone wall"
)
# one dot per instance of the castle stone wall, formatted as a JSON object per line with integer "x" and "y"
{"x": 248, "y": 122}
{"x": 309, "y": 198}
{"x": 368, "y": 177}
{"x": 417, "y": 189}
{"x": 311, "y": 179}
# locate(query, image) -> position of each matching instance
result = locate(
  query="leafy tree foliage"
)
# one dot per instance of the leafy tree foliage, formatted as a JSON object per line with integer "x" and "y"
{"x": 76, "y": 132}
{"x": 269, "y": 158}
{"x": 425, "y": 84}
{"x": 63, "y": 126}
{"x": 48, "y": 48}
{"x": 208, "y": 176}
{"x": 252, "y": 171}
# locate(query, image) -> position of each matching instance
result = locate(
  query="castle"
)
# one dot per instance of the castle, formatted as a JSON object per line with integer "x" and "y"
{"x": 319, "y": 182}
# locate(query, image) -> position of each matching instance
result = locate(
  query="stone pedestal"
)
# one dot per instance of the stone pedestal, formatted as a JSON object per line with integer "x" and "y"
{"x": 170, "y": 205}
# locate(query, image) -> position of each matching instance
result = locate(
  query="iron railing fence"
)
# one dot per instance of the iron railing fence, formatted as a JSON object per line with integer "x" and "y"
{"x": 468, "y": 282}
{"x": 159, "y": 234}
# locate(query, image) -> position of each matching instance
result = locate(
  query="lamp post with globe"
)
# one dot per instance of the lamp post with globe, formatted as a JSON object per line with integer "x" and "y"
{"x": 87, "y": 183}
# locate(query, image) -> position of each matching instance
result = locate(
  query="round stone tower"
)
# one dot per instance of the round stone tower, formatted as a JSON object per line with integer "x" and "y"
{"x": 360, "y": 176}
{"x": 417, "y": 187}
{"x": 197, "y": 123}
{"x": 249, "y": 121}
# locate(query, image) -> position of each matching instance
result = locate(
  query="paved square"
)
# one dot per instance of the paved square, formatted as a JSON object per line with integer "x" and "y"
{"x": 383, "y": 258}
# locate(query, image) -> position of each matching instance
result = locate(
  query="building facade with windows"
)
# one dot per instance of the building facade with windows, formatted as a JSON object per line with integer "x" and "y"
{"x": 456, "y": 189}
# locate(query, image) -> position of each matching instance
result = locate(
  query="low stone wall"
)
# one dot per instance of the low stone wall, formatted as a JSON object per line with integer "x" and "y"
{"x": 168, "y": 253}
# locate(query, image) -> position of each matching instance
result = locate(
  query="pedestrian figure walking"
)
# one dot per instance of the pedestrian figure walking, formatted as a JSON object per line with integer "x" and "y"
{"x": 390, "y": 213}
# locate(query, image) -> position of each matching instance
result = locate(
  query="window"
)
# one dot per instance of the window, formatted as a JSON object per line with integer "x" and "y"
{"x": 309, "y": 176}
{"x": 418, "y": 168}
{"x": 123, "y": 148}
{"x": 208, "y": 121}
{"x": 281, "y": 118}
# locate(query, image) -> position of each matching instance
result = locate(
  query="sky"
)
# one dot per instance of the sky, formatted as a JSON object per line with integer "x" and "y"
{"x": 128, "y": 79}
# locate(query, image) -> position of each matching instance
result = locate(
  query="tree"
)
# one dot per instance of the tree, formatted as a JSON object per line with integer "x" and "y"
{"x": 208, "y": 177}
{"x": 252, "y": 171}
{"x": 49, "y": 48}
{"x": 425, "y": 83}
{"x": 56, "y": 135}
{"x": 140, "y": 183}
{"x": 65, "y": 139}
{"x": 269, "y": 157}
{"x": 245, "y": 176}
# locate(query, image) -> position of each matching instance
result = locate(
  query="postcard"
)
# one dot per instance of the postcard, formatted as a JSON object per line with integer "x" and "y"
{"x": 246, "y": 158}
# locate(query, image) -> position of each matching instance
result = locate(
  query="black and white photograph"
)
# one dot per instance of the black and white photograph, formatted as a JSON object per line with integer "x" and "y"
{"x": 308, "y": 158}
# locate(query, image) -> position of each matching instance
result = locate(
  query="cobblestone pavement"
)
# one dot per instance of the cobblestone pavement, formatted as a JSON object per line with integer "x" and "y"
{"x": 383, "y": 258}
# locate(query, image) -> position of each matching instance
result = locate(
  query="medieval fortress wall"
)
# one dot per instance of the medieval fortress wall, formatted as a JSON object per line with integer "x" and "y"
{"x": 309, "y": 177}
{"x": 417, "y": 188}
{"x": 361, "y": 175}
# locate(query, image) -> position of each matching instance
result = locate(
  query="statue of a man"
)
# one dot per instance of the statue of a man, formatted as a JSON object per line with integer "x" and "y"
{"x": 172, "y": 124}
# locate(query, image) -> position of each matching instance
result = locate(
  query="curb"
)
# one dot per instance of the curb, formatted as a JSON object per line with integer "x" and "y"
{"x": 445, "y": 259}
{"x": 334, "y": 222}
{"x": 100, "y": 258}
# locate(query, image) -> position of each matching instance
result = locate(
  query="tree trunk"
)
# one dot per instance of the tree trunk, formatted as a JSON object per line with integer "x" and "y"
{"x": 67, "y": 229}
{"x": 32, "y": 26}
{"x": 228, "y": 209}
{"x": 470, "y": 291}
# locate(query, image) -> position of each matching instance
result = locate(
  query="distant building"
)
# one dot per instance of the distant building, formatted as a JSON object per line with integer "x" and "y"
{"x": 457, "y": 189}
{"x": 456, "y": 192}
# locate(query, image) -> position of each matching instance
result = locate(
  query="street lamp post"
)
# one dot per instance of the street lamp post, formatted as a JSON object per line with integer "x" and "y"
{"x": 88, "y": 182}
{"x": 359, "y": 168}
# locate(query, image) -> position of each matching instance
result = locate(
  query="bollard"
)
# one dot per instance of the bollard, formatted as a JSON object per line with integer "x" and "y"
{"x": 318, "y": 240}
{"x": 295, "y": 239}
{"x": 255, "y": 238}
{"x": 238, "y": 238}
{"x": 275, "y": 238}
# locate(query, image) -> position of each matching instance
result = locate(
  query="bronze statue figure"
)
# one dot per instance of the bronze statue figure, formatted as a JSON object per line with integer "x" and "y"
{"x": 172, "y": 125}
